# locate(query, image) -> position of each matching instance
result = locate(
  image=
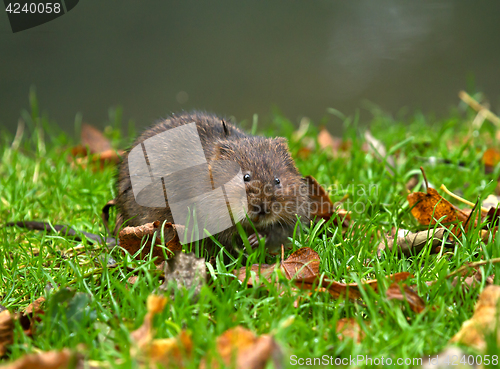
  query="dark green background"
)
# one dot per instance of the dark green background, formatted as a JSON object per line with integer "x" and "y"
{"x": 241, "y": 57}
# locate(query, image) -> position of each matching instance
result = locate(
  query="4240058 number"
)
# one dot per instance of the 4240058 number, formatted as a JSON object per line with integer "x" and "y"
{"x": 33, "y": 8}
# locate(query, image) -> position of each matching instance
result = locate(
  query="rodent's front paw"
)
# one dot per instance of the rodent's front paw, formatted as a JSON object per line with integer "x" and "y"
{"x": 254, "y": 240}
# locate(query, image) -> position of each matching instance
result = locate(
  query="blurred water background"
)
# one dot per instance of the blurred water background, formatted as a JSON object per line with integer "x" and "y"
{"x": 240, "y": 58}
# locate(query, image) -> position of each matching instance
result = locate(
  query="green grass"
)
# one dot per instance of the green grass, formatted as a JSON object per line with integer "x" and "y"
{"x": 38, "y": 183}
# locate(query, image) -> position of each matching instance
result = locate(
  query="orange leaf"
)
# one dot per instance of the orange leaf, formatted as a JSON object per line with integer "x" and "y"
{"x": 131, "y": 237}
{"x": 94, "y": 139}
{"x": 240, "y": 348}
{"x": 430, "y": 207}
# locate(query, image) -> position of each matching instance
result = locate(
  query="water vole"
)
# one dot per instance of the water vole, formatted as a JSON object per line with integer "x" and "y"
{"x": 276, "y": 193}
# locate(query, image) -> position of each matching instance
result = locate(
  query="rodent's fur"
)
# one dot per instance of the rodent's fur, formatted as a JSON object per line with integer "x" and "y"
{"x": 265, "y": 159}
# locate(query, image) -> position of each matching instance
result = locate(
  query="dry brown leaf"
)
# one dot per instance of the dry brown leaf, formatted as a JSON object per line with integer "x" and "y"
{"x": 110, "y": 156}
{"x": 483, "y": 322}
{"x": 304, "y": 152}
{"x": 410, "y": 243}
{"x": 430, "y": 207}
{"x": 349, "y": 328}
{"x": 473, "y": 280}
{"x": 131, "y": 237}
{"x": 321, "y": 205}
{"x": 302, "y": 263}
{"x": 6, "y": 331}
{"x": 166, "y": 352}
{"x": 35, "y": 306}
{"x": 240, "y": 348}
{"x": 45, "y": 360}
{"x": 302, "y": 267}
{"x": 491, "y": 158}
{"x": 144, "y": 334}
{"x": 94, "y": 139}
{"x": 351, "y": 290}
{"x": 328, "y": 142}
{"x": 94, "y": 142}
{"x": 132, "y": 279}
{"x": 405, "y": 293}
{"x": 171, "y": 352}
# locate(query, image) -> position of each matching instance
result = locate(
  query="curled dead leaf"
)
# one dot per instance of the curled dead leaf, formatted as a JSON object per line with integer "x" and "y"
{"x": 410, "y": 243}
{"x": 167, "y": 352}
{"x": 491, "y": 158}
{"x": 430, "y": 207}
{"x": 349, "y": 290}
{"x": 322, "y": 206}
{"x": 349, "y": 328}
{"x": 130, "y": 239}
{"x": 328, "y": 142}
{"x": 6, "y": 331}
{"x": 405, "y": 293}
{"x": 484, "y": 321}
{"x": 94, "y": 139}
{"x": 143, "y": 335}
{"x": 241, "y": 348}
{"x": 302, "y": 263}
{"x": 45, "y": 360}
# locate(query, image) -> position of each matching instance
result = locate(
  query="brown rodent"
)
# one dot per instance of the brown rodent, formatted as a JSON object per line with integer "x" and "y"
{"x": 276, "y": 192}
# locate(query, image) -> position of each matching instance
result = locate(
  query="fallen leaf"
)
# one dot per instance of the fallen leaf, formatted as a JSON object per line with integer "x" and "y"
{"x": 35, "y": 306}
{"x": 302, "y": 267}
{"x": 31, "y": 314}
{"x": 143, "y": 335}
{"x": 410, "y": 243}
{"x": 492, "y": 217}
{"x": 321, "y": 205}
{"x": 240, "y": 348}
{"x": 6, "y": 331}
{"x": 171, "y": 352}
{"x": 349, "y": 328}
{"x": 45, "y": 360}
{"x": 430, "y": 207}
{"x": 303, "y": 263}
{"x": 349, "y": 290}
{"x": 94, "y": 142}
{"x": 405, "y": 293}
{"x": 94, "y": 139}
{"x": 329, "y": 142}
{"x": 110, "y": 156}
{"x": 130, "y": 239}
{"x": 166, "y": 352}
{"x": 132, "y": 279}
{"x": 491, "y": 158}
{"x": 483, "y": 322}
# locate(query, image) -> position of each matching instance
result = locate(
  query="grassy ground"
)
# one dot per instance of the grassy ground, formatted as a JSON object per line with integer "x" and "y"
{"x": 38, "y": 183}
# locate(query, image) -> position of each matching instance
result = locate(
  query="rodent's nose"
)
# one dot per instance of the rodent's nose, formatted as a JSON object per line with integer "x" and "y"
{"x": 261, "y": 208}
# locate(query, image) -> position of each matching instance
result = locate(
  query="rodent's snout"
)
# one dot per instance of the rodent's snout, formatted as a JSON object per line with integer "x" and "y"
{"x": 262, "y": 203}
{"x": 260, "y": 208}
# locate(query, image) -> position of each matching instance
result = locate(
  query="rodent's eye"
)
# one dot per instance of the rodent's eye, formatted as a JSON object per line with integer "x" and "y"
{"x": 247, "y": 177}
{"x": 277, "y": 181}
